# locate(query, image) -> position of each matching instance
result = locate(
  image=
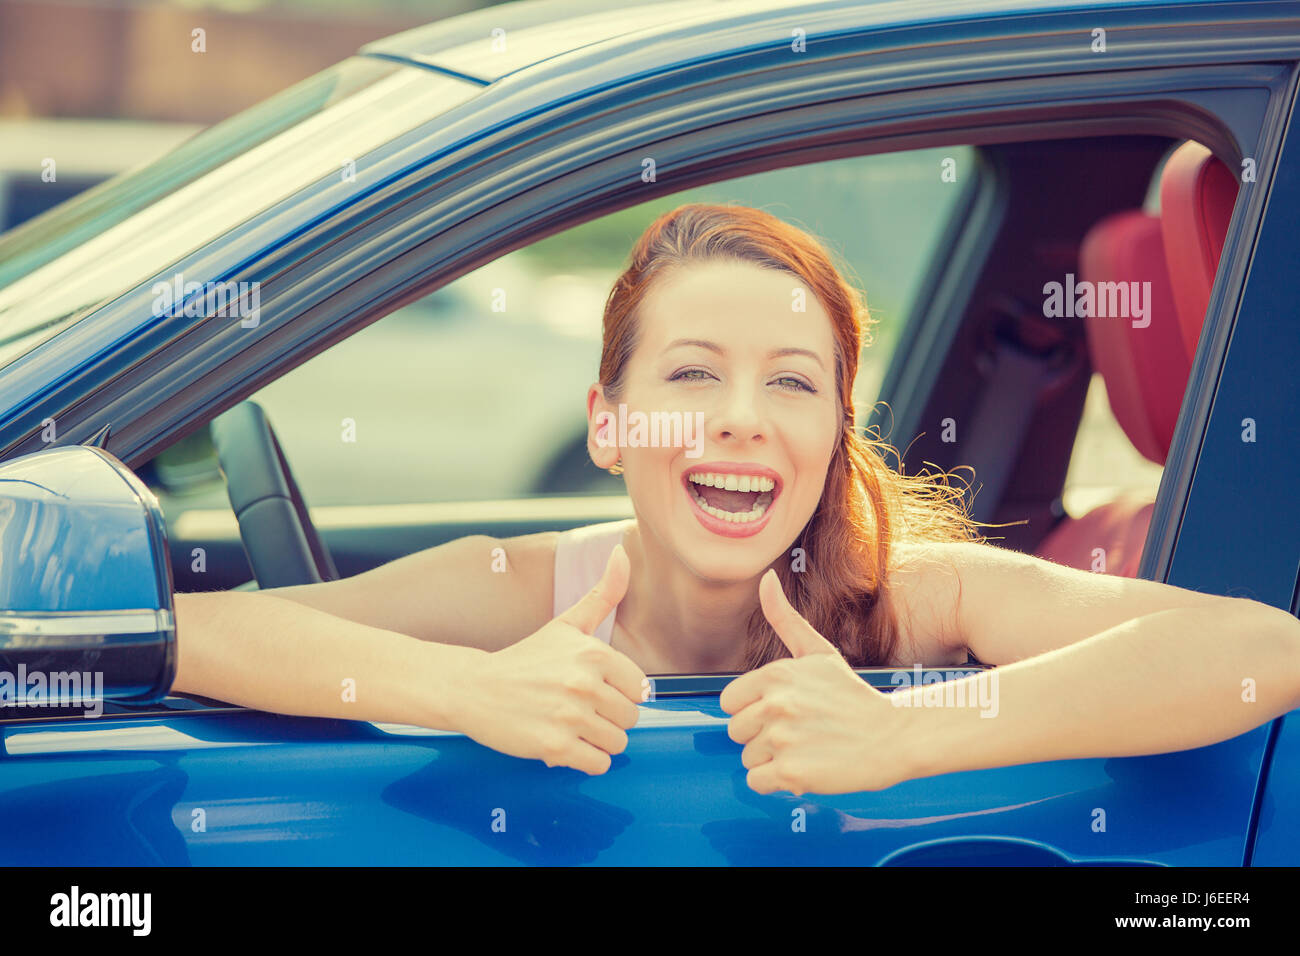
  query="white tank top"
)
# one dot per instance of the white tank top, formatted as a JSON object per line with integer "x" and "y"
{"x": 580, "y": 558}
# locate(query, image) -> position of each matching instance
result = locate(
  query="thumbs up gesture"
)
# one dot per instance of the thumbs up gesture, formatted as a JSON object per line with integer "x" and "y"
{"x": 560, "y": 695}
{"x": 808, "y": 723}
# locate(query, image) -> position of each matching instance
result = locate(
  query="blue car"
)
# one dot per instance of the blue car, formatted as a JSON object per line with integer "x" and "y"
{"x": 982, "y": 163}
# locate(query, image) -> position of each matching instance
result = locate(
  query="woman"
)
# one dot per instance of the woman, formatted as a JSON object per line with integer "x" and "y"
{"x": 779, "y": 544}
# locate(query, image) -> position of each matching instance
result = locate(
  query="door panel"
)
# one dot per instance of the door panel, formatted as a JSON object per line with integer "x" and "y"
{"x": 247, "y": 788}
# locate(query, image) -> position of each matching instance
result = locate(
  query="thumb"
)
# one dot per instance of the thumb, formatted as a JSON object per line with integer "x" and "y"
{"x": 796, "y": 633}
{"x": 587, "y": 614}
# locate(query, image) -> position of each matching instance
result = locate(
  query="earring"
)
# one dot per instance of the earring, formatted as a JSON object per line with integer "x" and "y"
{"x": 618, "y": 467}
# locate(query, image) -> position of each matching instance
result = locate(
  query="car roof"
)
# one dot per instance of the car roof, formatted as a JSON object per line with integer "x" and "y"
{"x": 534, "y": 31}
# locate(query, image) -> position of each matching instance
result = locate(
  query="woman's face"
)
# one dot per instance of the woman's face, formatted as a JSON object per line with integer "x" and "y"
{"x": 723, "y": 344}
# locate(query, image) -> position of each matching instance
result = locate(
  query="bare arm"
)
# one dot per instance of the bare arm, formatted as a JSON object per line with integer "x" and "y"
{"x": 270, "y": 654}
{"x": 348, "y": 648}
{"x": 1005, "y": 606}
{"x": 476, "y": 591}
{"x": 1173, "y": 680}
{"x": 557, "y": 694}
{"x": 1096, "y": 665}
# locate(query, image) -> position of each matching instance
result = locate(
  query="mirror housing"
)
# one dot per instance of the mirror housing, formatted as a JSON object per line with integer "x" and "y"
{"x": 86, "y": 612}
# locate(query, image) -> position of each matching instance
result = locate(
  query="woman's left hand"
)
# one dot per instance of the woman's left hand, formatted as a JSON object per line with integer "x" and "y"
{"x": 808, "y": 723}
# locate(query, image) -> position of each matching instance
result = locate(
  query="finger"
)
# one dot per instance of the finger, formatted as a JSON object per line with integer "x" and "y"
{"x": 796, "y": 633}
{"x": 746, "y": 725}
{"x": 600, "y": 733}
{"x": 756, "y": 753}
{"x": 621, "y": 673}
{"x": 581, "y": 755}
{"x": 744, "y": 690}
{"x": 764, "y": 778}
{"x": 600, "y": 601}
{"x": 616, "y": 708}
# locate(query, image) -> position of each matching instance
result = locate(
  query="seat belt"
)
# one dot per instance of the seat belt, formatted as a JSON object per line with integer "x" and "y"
{"x": 1000, "y": 423}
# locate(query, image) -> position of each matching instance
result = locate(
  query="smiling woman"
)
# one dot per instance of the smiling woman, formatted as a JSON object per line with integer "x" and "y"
{"x": 729, "y": 312}
{"x": 789, "y": 535}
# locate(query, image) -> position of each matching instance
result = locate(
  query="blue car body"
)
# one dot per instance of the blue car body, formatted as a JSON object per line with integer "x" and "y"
{"x": 550, "y": 130}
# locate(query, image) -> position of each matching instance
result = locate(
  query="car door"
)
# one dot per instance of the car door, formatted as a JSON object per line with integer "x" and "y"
{"x": 1235, "y": 533}
{"x": 186, "y": 782}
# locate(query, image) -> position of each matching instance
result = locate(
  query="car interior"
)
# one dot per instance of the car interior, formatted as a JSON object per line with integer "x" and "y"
{"x": 1025, "y": 376}
{"x": 1122, "y": 209}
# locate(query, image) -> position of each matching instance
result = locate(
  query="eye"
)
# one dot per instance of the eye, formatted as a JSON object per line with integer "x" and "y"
{"x": 691, "y": 375}
{"x": 794, "y": 384}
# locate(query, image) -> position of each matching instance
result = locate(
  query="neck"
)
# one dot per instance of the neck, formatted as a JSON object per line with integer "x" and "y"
{"x": 680, "y": 622}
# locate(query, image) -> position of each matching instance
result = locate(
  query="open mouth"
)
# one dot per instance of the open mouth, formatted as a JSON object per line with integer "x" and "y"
{"x": 736, "y": 501}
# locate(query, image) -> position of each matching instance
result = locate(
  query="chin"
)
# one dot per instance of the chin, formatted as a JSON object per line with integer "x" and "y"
{"x": 730, "y": 565}
{"x": 719, "y": 557}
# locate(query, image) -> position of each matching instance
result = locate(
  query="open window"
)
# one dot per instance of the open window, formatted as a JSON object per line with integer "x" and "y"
{"x": 464, "y": 412}
{"x": 1068, "y": 365}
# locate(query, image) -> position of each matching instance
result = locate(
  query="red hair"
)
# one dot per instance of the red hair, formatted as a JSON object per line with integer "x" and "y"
{"x": 866, "y": 506}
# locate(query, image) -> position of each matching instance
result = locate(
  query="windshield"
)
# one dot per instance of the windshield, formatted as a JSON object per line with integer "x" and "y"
{"x": 58, "y": 267}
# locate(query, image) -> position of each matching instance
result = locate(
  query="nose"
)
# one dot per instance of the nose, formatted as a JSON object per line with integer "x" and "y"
{"x": 738, "y": 418}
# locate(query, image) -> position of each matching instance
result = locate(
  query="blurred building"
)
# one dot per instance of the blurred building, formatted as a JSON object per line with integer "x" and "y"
{"x": 181, "y": 62}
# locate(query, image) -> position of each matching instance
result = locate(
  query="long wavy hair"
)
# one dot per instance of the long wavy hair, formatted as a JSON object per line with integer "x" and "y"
{"x": 839, "y": 579}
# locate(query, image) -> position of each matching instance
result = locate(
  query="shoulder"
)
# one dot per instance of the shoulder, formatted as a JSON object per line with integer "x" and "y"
{"x": 512, "y": 585}
{"x": 952, "y": 597}
{"x": 493, "y": 559}
{"x": 1006, "y": 606}
{"x": 478, "y": 591}
{"x": 926, "y": 584}
{"x": 533, "y": 555}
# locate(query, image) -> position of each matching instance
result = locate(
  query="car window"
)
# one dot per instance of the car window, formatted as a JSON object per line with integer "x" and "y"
{"x": 478, "y": 391}
{"x": 56, "y": 267}
{"x": 1104, "y": 464}
{"x": 46, "y": 162}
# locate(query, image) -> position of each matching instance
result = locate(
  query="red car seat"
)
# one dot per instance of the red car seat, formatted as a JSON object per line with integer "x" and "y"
{"x": 1146, "y": 368}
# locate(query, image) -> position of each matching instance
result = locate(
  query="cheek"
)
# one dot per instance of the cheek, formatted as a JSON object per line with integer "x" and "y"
{"x": 646, "y": 472}
{"x": 813, "y": 448}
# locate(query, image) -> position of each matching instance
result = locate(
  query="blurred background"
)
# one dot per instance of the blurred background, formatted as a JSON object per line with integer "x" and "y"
{"x": 121, "y": 60}
{"x": 106, "y": 85}
{"x": 451, "y": 398}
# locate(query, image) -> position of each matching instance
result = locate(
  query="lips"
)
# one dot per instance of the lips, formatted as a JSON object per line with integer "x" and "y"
{"x": 732, "y": 499}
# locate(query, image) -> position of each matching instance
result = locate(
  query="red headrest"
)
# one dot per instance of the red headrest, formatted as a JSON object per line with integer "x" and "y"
{"x": 1197, "y": 193}
{"x": 1146, "y": 367}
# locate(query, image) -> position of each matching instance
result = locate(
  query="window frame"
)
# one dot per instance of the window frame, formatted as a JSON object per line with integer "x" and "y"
{"x": 458, "y": 208}
{"x": 1208, "y": 532}
{"x": 454, "y": 214}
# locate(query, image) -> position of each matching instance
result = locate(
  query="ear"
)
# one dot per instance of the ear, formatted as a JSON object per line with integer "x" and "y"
{"x": 602, "y": 429}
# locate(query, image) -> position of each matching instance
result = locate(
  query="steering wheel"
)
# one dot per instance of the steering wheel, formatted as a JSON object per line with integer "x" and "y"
{"x": 282, "y": 544}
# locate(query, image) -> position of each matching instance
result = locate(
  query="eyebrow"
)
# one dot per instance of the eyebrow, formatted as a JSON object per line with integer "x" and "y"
{"x": 715, "y": 347}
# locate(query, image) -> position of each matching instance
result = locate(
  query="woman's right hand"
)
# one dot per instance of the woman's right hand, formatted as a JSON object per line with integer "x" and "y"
{"x": 560, "y": 695}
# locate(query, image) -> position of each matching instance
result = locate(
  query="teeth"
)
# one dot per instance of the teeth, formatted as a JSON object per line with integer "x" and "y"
{"x": 732, "y": 482}
{"x": 761, "y": 504}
